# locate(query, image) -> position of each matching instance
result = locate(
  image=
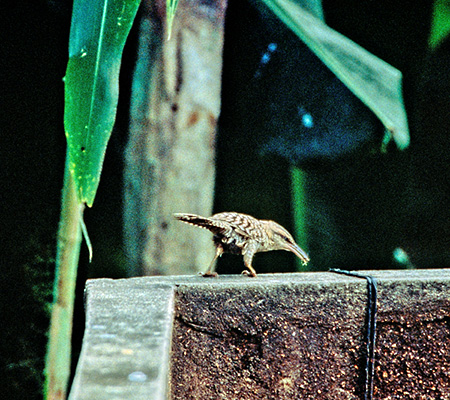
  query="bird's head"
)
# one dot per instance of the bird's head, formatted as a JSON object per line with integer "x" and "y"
{"x": 282, "y": 240}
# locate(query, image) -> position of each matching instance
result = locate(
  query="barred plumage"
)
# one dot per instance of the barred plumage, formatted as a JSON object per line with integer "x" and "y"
{"x": 243, "y": 234}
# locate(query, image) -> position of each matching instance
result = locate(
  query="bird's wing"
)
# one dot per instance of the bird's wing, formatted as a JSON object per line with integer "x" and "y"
{"x": 243, "y": 224}
{"x": 216, "y": 226}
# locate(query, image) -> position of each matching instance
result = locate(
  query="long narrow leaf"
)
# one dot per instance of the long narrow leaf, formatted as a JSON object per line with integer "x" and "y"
{"x": 98, "y": 33}
{"x": 171, "y": 8}
{"x": 376, "y": 83}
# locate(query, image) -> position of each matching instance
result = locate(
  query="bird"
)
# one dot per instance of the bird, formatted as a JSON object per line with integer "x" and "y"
{"x": 244, "y": 235}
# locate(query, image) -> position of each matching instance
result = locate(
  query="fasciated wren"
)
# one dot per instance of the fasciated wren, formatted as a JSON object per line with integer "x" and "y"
{"x": 244, "y": 235}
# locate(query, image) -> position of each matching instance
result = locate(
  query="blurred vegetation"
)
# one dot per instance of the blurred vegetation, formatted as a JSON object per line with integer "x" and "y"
{"x": 404, "y": 196}
{"x": 26, "y": 320}
{"x": 440, "y": 26}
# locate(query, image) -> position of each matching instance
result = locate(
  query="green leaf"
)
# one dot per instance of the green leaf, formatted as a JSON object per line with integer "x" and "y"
{"x": 440, "y": 25}
{"x": 97, "y": 36}
{"x": 171, "y": 8}
{"x": 376, "y": 83}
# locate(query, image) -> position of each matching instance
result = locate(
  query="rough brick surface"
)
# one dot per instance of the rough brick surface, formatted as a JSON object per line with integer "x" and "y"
{"x": 263, "y": 340}
{"x": 280, "y": 336}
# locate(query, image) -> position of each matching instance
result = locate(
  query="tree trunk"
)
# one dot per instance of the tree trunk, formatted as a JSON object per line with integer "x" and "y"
{"x": 170, "y": 156}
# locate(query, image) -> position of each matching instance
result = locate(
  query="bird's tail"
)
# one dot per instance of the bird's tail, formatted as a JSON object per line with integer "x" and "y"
{"x": 194, "y": 219}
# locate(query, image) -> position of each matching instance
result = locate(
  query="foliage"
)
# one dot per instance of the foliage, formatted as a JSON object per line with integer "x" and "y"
{"x": 171, "y": 8}
{"x": 24, "y": 336}
{"x": 440, "y": 27}
{"x": 97, "y": 37}
{"x": 376, "y": 83}
{"x": 98, "y": 33}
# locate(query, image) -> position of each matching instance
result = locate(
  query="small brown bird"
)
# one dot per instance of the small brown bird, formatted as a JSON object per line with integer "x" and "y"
{"x": 244, "y": 235}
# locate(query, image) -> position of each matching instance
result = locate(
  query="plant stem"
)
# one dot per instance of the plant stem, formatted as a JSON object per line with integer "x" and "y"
{"x": 299, "y": 209}
{"x": 58, "y": 362}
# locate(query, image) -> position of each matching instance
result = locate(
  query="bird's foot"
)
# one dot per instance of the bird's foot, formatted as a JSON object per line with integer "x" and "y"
{"x": 250, "y": 274}
{"x": 209, "y": 274}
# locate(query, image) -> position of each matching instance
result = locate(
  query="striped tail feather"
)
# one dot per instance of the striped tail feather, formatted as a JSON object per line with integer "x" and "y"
{"x": 212, "y": 225}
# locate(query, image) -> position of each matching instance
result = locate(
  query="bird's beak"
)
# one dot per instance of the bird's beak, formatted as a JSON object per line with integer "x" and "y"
{"x": 299, "y": 252}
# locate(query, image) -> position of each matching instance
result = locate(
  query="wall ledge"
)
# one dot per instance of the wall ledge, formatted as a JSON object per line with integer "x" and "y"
{"x": 279, "y": 336}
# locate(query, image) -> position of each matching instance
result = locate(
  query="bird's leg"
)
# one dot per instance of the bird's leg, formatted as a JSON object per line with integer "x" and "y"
{"x": 251, "y": 271}
{"x": 210, "y": 273}
{"x": 249, "y": 252}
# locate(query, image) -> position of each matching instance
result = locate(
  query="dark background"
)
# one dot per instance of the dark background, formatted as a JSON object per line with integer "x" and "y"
{"x": 360, "y": 205}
